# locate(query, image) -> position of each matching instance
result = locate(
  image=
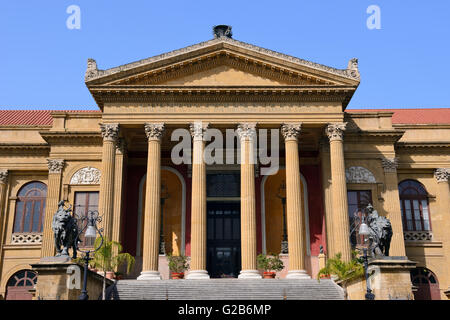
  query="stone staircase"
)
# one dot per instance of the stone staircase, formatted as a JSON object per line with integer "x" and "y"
{"x": 226, "y": 289}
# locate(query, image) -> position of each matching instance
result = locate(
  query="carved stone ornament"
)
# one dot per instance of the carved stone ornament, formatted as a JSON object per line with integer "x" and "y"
{"x": 121, "y": 146}
{"x": 87, "y": 175}
{"x": 291, "y": 131}
{"x": 110, "y": 131}
{"x": 3, "y": 175}
{"x": 389, "y": 164}
{"x": 222, "y": 31}
{"x": 198, "y": 129}
{"x": 442, "y": 174}
{"x": 246, "y": 131}
{"x": 92, "y": 70}
{"x": 154, "y": 131}
{"x": 352, "y": 68}
{"x": 55, "y": 165}
{"x": 335, "y": 131}
{"x": 359, "y": 175}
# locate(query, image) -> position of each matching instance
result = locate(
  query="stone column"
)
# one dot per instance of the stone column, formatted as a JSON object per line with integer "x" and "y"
{"x": 326, "y": 186}
{"x": 3, "y": 187}
{"x": 442, "y": 176}
{"x": 247, "y": 135}
{"x": 198, "y": 204}
{"x": 392, "y": 206}
{"x": 341, "y": 228}
{"x": 152, "y": 214}
{"x": 294, "y": 212}
{"x": 121, "y": 150}
{"x": 55, "y": 167}
{"x": 110, "y": 133}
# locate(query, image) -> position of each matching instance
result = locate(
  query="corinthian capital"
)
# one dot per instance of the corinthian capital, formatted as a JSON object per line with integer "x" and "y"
{"x": 389, "y": 164}
{"x": 154, "y": 131}
{"x": 335, "y": 131}
{"x": 110, "y": 131}
{"x": 3, "y": 175}
{"x": 121, "y": 146}
{"x": 442, "y": 174}
{"x": 198, "y": 130}
{"x": 291, "y": 131}
{"x": 246, "y": 131}
{"x": 55, "y": 165}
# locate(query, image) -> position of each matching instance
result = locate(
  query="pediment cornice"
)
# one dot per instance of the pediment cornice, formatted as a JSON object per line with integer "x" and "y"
{"x": 231, "y": 49}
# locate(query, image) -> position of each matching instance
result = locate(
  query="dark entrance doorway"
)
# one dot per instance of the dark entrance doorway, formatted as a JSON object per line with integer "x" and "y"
{"x": 224, "y": 239}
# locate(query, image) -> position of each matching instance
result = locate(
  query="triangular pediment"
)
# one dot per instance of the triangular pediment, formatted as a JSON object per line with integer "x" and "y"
{"x": 221, "y": 62}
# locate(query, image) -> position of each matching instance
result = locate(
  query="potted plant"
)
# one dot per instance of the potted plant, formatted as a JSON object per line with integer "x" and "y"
{"x": 109, "y": 258}
{"x": 341, "y": 271}
{"x": 270, "y": 264}
{"x": 177, "y": 265}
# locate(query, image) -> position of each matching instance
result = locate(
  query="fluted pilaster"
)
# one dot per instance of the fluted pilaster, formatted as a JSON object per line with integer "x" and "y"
{"x": 55, "y": 167}
{"x": 392, "y": 206}
{"x": 121, "y": 150}
{"x": 152, "y": 215}
{"x": 3, "y": 187}
{"x": 341, "y": 228}
{"x": 294, "y": 212}
{"x": 442, "y": 176}
{"x": 198, "y": 204}
{"x": 247, "y": 135}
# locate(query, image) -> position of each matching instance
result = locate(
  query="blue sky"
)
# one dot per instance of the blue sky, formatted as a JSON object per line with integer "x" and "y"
{"x": 403, "y": 64}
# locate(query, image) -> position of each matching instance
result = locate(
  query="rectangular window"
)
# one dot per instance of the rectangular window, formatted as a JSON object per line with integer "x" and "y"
{"x": 357, "y": 202}
{"x": 85, "y": 202}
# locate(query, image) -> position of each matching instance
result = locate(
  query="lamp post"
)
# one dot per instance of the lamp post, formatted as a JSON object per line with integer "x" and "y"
{"x": 164, "y": 195}
{"x": 282, "y": 195}
{"x": 364, "y": 231}
{"x": 90, "y": 233}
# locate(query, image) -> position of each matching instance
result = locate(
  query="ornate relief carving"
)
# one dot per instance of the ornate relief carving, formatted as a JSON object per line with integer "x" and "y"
{"x": 55, "y": 165}
{"x": 335, "y": 131}
{"x": 359, "y": 175}
{"x": 352, "y": 68}
{"x": 198, "y": 130}
{"x": 246, "y": 131}
{"x": 154, "y": 131}
{"x": 442, "y": 174}
{"x": 3, "y": 175}
{"x": 110, "y": 131}
{"x": 92, "y": 70}
{"x": 389, "y": 164}
{"x": 291, "y": 131}
{"x": 26, "y": 238}
{"x": 87, "y": 175}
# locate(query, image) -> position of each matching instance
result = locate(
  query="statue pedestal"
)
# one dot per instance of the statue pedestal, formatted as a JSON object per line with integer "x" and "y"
{"x": 59, "y": 278}
{"x": 390, "y": 278}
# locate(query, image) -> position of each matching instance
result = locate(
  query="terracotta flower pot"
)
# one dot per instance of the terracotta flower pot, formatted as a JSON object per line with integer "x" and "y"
{"x": 269, "y": 275}
{"x": 177, "y": 275}
{"x": 325, "y": 276}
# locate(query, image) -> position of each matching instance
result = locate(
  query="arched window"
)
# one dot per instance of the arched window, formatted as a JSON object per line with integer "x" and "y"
{"x": 19, "y": 284}
{"x": 427, "y": 286}
{"x": 30, "y": 208}
{"x": 414, "y": 205}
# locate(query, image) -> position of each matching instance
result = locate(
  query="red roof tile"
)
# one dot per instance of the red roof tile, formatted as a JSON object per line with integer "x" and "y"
{"x": 414, "y": 116}
{"x": 31, "y": 117}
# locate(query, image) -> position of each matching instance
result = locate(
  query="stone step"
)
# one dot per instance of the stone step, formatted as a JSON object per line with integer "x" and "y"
{"x": 227, "y": 289}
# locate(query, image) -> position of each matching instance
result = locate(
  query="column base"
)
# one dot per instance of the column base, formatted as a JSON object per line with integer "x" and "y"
{"x": 297, "y": 274}
{"x": 249, "y": 274}
{"x": 197, "y": 275}
{"x": 149, "y": 275}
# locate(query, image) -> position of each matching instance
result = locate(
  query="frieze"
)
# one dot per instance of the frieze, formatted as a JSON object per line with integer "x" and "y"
{"x": 87, "y": 175}
{"x": 359, "y": 175}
